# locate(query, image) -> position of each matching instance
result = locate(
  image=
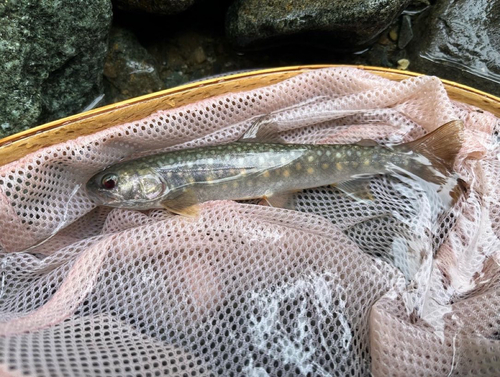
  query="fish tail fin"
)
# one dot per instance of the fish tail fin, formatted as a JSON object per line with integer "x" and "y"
{"x": 440, "y": 148}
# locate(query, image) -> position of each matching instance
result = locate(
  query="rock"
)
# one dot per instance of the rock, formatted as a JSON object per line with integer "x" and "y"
{"x": 405, "y": 33}
{"x": 129, "y": 68}
{"x": 198, "y": 56}
{"x": 344, "y": 24}
{"x": 175, "y": 78}
{"x": 403, "y": 64}
{"x": 187, "y": 56}
{"x": 459, "y": 40}
{"x": 378, "y": 55}
{"x": 393, "y": 34}
{"x": 417, "y": 6}
{"x": 154, "y": 6}
{"x": 52, "y": 56}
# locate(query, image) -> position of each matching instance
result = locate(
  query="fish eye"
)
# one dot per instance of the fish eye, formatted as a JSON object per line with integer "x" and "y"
{"x": 109, "y": 181}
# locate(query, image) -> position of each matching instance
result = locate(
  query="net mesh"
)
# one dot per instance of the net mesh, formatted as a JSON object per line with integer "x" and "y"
{"x": 395, "y": 286}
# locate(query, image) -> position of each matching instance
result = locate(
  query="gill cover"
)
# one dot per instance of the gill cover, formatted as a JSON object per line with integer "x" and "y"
{"x": 120, "y": 187}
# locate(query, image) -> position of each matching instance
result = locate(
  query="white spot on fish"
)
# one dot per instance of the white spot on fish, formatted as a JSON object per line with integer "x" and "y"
{"x": 325, "y": 166}
{"x": 338, "y": 155}
{"x": 310, "y": 158}
{"x": 328, "y": 153}
{"x": 310, "y": 170}
{"x": 338, "y": 165}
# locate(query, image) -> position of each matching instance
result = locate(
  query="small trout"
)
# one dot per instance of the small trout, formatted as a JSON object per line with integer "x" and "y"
{"x": 179, "y": 180}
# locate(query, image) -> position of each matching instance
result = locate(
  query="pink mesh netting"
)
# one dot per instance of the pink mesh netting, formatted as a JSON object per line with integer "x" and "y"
{"x": 397, "y": 286}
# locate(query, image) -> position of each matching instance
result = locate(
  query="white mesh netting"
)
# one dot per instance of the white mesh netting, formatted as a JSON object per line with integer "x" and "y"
{"x": 397, "y": 286}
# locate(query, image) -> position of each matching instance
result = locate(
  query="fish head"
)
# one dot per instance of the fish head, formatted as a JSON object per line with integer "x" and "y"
{"x": 123, "y": 187}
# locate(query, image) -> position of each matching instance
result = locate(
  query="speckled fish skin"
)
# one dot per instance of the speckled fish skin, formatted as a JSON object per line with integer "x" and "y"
{"x": 181, "y": 179}
{"x": 244, "y": 170}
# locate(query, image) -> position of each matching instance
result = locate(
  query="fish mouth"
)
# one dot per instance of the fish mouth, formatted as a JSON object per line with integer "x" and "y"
{"x": 97, "y": 195}
{"x": 103, "y": 198}
{"x": 97, "y": 199}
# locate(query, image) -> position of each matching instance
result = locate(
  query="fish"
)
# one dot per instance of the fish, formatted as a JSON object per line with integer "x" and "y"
{"x": 180, "y": 180}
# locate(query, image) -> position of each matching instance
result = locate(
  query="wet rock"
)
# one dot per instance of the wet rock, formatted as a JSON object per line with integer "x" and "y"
{"x": 198, "y": 55}
{"x": 405, "y": 33}
{"x": 52, "y": 56}
{"x": 416, "y": 7}
{"x": 176, "y": 78}
{"x": 345, "y": 24}
{"x": 393, "y": 33}
{"x": 378, "y": 55}
{"x": 130, "y": 70}
{"x": 403, "y": 64}
{"x": 154, "y": 6}
{"x": 459, "y": 40}
{"x": 187, "y": 56}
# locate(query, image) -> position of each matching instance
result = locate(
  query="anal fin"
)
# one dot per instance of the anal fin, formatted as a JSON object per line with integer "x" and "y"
{"x": 280, "y": 200}
{"x": 358, "y": 189}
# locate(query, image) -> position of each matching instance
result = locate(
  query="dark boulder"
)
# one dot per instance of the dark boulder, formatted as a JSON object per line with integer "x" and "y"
{"x": 459, "y": 40}
{"x": 52, "y": 56}
{"x": 154, "y": 6}
{"x": 130, "y": 70}
{"x": 344, "y": 24}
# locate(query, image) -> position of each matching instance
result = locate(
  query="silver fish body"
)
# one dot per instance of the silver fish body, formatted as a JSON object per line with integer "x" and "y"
{"x": 181, "y": 179}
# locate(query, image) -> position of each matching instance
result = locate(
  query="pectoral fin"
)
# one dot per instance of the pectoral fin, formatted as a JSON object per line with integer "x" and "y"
{"x": 185, "y": 204}
{"x": 261, "y": 130}
{"x": 358, "y": 189}
{"x": 251, "y": 134}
